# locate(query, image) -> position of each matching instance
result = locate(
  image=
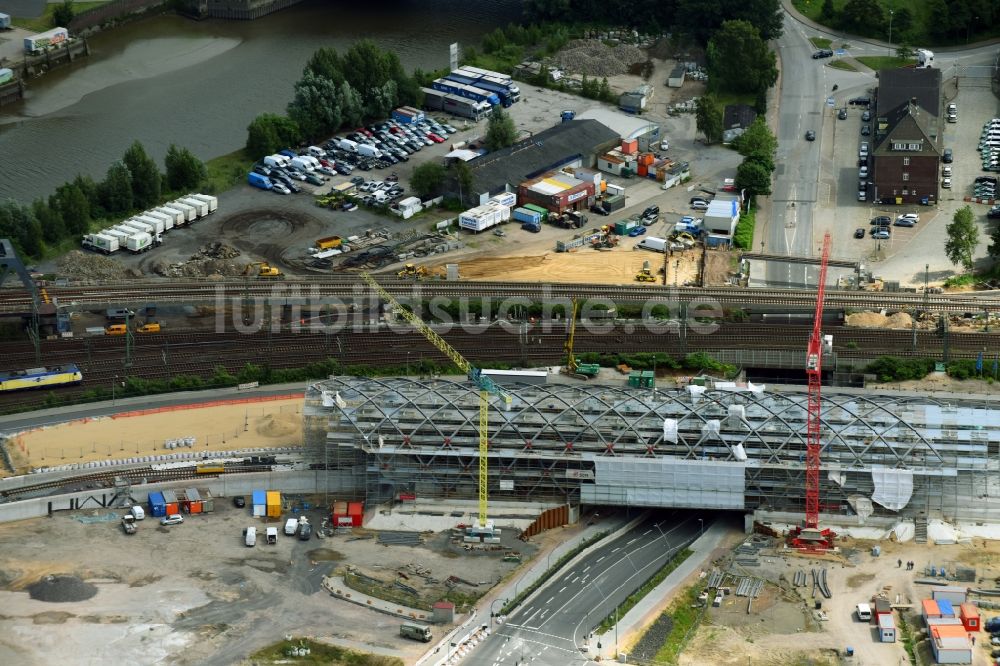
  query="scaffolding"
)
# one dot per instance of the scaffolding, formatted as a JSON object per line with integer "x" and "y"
{"x": 740, "y": 449}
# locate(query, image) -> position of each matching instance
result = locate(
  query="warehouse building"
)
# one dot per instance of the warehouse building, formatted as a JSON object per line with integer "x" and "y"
{"x": 557, "y": 192}
{"x": 575, "y": 143}
{"x": 646, "y": 134}
{"x": 734, "y": 447}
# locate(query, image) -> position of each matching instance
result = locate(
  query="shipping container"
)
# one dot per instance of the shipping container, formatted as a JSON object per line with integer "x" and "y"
{"x": 4, "y": 21}
{"x": 45, "y": 39}
{"x": 407, "y": 115}
{"x": 542, "y": 212}
{"x": 613, "y": 203}
{"x": 139, "y": 243}
{"x": 273, "y": 504}
{"x": 190, "y": 213}
{"x": 136, "y": 226}
{"x": 259, "y": 502}
{"x": 167, "y": 220}
{"x": 101, "y": 243}
{"x": 526, "y": 215}
{"x": 159, "y": 226}
{"x": 483, "y": 217}
{"x": 200, "y": 206}
{"x": 213, "y": 202}
{"x": 508, "y": 199}
{"x": 179, "y": 218}
{"x": 172, "y": 504}
{"x": 630, "y": 146}
{"x": 624, "y": 226}
{"x": 157, "y": 506}
{"x": 355, "y": 508}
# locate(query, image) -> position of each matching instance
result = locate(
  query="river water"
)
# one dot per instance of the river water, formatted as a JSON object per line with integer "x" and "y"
{"x": 168, "y": 80}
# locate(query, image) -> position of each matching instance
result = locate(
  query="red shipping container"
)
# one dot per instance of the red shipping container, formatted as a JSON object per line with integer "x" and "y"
{"x": 630, "y": 146}
{"x": 196, "y": 507}
{"x": 355, "y": 508}
{"x": 356, "y": 520}
{"x": 642, "y": 170}
{"x": 173, "y": 508}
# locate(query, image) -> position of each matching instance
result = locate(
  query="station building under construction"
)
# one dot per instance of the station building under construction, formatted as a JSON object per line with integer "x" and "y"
{"x": 733, "y": 447}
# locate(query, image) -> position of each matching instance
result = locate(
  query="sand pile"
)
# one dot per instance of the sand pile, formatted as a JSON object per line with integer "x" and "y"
{"x": 878, "y": 320}
{"x": 279, "y": 425}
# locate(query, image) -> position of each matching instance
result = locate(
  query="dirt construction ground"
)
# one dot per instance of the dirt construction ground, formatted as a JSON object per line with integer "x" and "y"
{"x": 77, "y": 592}
{"x": 270, "y": 424}
{"x": 783, "y": 626}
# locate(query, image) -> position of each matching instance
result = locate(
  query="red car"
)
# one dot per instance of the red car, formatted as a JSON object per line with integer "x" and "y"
{"x": 362, "y": 130}
{"x": 434, "y": 137}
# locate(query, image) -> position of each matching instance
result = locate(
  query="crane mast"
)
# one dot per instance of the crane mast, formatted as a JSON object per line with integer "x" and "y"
{"x": 486, "y": 387}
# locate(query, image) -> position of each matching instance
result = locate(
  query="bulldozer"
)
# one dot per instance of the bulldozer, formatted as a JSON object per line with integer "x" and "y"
{"x": 413, "y": 271}
{"x": 262, "y": 269}
{"x": 646, "y": 274}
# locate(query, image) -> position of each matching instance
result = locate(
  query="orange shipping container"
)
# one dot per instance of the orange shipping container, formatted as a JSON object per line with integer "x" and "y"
{"x": 630, "y": 146}
{"x": 642, "y": 170}
{"x": 173, "y": 508}
{"x": 340, "y": 508}
{"x": 355, "y": 508}
{"x": 646, "y": 158}
{"x": 195, "y": 507}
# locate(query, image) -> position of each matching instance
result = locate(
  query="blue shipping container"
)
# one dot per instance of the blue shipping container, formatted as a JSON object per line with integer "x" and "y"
{"x": 525, "y": 215}
{"x": 259, "y": 497}
{"x": 157, "y": 507}
{"x": 946, "y": 608}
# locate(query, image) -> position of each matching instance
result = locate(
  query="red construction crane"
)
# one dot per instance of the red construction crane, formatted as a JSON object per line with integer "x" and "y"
{"x": 811, "y": 536}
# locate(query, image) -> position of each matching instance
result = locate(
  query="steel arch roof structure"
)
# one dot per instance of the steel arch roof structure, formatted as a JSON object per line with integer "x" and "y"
{"x": 423, "y": 428}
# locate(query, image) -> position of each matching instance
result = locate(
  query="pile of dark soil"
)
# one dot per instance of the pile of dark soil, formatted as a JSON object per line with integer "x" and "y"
{"x": 61, "y": 589}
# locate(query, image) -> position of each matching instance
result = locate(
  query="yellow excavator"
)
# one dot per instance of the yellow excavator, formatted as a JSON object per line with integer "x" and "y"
{"x": 262, "y": 269}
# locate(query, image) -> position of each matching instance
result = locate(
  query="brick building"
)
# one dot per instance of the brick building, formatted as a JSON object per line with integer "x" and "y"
{"x": 907, "y": 136}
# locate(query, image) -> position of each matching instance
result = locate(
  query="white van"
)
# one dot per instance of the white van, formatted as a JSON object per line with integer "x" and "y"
{"x": 369, "y": 151}
{"x": 348, "y": 145}
{"x": 316, "y": 151}
{"x": 291, "y": 526}
{"x": 864, "y": 612}
{"x": 251, "y": 536}
{"x": 276, "y": 161}
{"x": 138, "y": 513}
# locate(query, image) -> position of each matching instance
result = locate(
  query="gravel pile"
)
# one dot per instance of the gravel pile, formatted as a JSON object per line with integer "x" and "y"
{"x": 61, "y": 589}
{"x": 79, "y": 265}
{"x": 215, "y": 250}
{"x": 653, "y": 639}
{"x": 593, "y": 58}
{"x": 212, "y": 259}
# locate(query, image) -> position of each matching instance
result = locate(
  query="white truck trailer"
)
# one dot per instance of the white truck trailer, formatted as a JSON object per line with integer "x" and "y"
{"x": 213, "y": 202}
{"x": 178, "y": 216}
{"x": 200, "y": 206}
{"x": 158, "y": 224}
{"x": 100, "y": 243}
{"x": 168, "y": 220}
{"x": 190, "y": 214}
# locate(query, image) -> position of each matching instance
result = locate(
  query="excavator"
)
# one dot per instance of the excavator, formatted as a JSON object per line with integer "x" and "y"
{"x": 646, "y": 274}
{"x": 263, "y": 270}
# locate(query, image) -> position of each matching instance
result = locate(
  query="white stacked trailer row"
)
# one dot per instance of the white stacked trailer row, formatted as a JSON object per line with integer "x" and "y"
{"x": 144, "y": 231}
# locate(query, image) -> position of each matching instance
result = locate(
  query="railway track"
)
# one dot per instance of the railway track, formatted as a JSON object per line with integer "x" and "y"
{"x": 350, "y": 288}
{"x": 198, "y": 354}
{"x": 104, "y": 480}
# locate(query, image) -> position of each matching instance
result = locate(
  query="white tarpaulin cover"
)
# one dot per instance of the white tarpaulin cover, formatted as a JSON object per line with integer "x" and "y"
{"x": 327, "y": 399}
{"x": 862, "y": 506}
{"x": 738, "y": 412}
{"x": 670, "y": 430}
{"x": 893, "y": 487}
{"x": 340, "y": 401}
{"x": 837, "y": 477}
{"x": 695, "y": 392}
{"x": 739, "y": 452}
{"x": 711, "y": 428}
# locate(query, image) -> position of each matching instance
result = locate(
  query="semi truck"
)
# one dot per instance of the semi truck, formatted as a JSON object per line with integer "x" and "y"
{"x": 100, "y": 243}
{"x": 436, "y": 100}
{"x": 466, "y": 91}
{"x": 480, "y": 78}
{"x": 506, "y": 99}
{"x": 139, "y": 243}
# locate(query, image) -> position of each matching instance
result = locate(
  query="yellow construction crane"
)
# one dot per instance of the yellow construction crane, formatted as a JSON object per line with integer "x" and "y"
{"x": 483, "y": 526}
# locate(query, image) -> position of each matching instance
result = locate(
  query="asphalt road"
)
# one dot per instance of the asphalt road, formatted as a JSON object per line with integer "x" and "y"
{"x": 554, "y": 626}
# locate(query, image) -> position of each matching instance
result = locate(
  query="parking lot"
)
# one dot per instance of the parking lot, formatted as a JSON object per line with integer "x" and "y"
{"x": 903, "y": 256}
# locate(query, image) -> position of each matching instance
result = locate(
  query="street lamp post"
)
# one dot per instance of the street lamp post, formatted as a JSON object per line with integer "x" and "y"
{"x": 492, "y": 614}
{"x": 113, "y": 390}
{"x": 891, "y": 12}
{"x": 701, "y": 527}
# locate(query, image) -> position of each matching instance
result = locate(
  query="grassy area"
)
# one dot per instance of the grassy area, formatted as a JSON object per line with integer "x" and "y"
{"x": 45, "y": 21}
{"x": 959, "y": 281}
{"x": 743, "y": 236}
{"x": 725, "y": 99}
{"x": 226, "y": 171}
{"x": 885, "y": 62}
{"x": 686, "y": 614}
{"x": 840, "y": 64}
{"x": 609, "y": 622}
{"x": 821, "y": 42}
{"x": 320, "y": 654}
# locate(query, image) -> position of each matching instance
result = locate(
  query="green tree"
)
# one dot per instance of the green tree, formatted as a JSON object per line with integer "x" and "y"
{"x": 146, "y": 178}
{"x": 905, "y": 51}
{"x": 351, "y": 107}
{"x": 314, "y": 107}
{"x": 708, "y": 118}
{"x": 49, "y": 220}
{"x": 74, "y": 208}
{"x": 63, "y": 14}
{"x": 184, "y": 170}
{"x": 828, "y": 11}
{"x": 18, "y": 223}
{"x": 994, "y": 248}
{"x": 368, "y": 68}
{"x": 739, "y": 61}
{"x": 116, "y": 190}
{"x": 753, "y": 176}
{"x": 963, "y": 239}
{"x": 902, "y": 20}
{"x": 428, "y": 179}
{"x": 863, "y": 16}
{"x": 326, "y": 62}
{"x": 464, "y": 178}
{"x": 605, "y": 93}
{"x": 757, "y": 141}
{"x": 268, "y": 133}
{"x": 500, "y": 131}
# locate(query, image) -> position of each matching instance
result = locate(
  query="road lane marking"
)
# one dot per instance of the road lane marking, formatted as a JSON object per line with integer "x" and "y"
{"x": 563, "y": 589}
{"x": 616, "y": 550}
{"x": 586, "y": 570}
{"x": 551, "y": 598}
{"x": 574, "y": 580}
{"x": 632, "y": 541}
{"x": 646, "y": 532}
{"x": 602, "y": 557}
